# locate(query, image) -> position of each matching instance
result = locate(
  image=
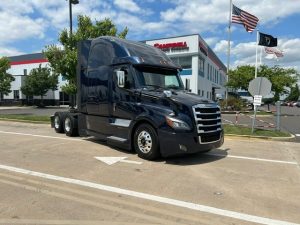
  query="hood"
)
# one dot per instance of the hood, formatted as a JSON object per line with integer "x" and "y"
{"x": 189, "y": 99}
{"x": 178, "y": 98}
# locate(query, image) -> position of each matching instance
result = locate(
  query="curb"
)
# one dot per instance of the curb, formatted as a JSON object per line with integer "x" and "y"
{"x": 262, "y": 137}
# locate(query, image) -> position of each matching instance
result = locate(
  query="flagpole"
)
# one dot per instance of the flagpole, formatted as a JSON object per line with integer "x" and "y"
{"x": 260, "y": 55}
{"x": 256, "y": 58}
{"x": 228, "y": 49}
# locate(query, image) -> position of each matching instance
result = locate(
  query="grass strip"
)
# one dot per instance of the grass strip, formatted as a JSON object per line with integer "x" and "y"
{"x": 238, "y": 130}
{"x": 26, "y": 118}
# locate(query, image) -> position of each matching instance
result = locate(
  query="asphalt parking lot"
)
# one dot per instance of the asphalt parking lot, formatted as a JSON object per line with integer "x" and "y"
{"x": 48, "y": 178}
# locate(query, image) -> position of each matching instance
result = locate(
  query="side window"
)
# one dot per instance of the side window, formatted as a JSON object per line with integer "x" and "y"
{"x": 100, "y": 55}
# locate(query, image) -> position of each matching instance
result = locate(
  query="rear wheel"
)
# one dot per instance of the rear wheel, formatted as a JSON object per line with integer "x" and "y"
{"x": 70, "y": 126}
{"x": 146, "y": 142}
{"x": 58, "y": 122}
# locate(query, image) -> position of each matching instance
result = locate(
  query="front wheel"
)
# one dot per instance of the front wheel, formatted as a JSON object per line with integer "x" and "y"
{"x": 146, "y": 142}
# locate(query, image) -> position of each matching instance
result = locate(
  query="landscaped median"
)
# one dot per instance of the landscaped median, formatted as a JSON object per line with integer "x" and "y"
{"x": 25, "y": 118}
{"x": 234, "y": 130}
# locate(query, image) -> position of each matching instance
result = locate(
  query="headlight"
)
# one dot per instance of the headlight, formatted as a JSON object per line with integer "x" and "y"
{"x": 177, "y": 124}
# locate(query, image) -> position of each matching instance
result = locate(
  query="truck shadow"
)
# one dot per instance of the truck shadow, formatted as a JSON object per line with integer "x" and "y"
{"x": 198, "y": 158}
{"x": 182, "y": 160}
{"x": 104, "y": 142}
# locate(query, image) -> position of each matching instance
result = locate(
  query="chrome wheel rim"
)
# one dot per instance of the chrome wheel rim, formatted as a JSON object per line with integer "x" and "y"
{"x": 56, "y": 122}
{"x": 67, "y": 124}
{"x": 144, "y": 142}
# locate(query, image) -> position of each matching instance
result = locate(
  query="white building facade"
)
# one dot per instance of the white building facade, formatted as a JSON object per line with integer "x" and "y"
{"x": 202, "y": 71}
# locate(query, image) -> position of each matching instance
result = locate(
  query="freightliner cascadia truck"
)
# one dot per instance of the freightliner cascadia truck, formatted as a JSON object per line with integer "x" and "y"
{"x": 131, "y": 95}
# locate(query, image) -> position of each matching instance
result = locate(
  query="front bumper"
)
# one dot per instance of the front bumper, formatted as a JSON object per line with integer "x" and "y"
{"x": 172, "y": 143}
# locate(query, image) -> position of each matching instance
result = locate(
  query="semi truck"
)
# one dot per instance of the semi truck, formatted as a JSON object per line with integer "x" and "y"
{"x": 131, "y": 95}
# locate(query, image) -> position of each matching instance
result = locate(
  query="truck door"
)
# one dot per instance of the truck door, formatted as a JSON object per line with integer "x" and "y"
{"x": 123, "y": 98}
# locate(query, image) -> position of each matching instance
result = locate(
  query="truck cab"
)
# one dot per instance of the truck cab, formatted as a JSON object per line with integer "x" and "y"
{"x": 131, "y": 95}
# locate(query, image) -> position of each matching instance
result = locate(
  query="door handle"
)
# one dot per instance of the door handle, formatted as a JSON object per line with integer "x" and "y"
{"x": 114, "y": 106}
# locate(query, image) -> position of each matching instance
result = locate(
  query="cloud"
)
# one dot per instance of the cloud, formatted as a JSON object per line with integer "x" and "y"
{"x": 4, "y": 51}
{"x": 128, "y": 5}
{"x": 20, "y": 27}
{"x": 209, "y": 15}
{"x": 211, "y": 40}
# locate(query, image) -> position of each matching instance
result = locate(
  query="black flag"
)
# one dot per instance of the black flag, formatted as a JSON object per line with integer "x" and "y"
{"x": 267, "y": 40}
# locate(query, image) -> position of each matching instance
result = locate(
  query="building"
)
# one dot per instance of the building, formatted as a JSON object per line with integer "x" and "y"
{"x": 202, "y": 71}
{"x": 20, "y": 68}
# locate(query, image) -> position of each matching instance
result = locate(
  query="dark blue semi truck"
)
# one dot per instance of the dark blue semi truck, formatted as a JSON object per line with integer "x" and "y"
{"x": 131, "y": 95}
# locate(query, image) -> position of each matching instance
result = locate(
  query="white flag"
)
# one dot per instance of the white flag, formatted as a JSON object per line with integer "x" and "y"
{"x": 274, "y": 51}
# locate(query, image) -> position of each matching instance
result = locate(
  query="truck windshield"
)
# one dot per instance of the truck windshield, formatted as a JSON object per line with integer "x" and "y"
{"x": 156, "y": 78}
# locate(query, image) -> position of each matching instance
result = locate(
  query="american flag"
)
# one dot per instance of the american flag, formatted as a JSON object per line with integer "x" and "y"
{"x": 242, "y": 17}
{"x": 274, "y": 51}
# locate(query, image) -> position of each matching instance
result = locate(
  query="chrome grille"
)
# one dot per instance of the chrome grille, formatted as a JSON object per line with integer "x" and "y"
{"x": 208, "y": 122}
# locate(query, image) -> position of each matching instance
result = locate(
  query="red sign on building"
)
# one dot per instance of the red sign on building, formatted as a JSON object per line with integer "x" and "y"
{"x": 177, "y": 45}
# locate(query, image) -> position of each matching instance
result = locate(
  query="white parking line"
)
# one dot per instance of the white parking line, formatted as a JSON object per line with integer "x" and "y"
{"x": 297, "y": 135}
{"x": 183, "y": 204}
{"x": 42, "y": 136}
{"x": 251, "y": 158}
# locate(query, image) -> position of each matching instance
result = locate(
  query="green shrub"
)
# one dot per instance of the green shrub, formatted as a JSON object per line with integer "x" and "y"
{"x": 235, "y": 104}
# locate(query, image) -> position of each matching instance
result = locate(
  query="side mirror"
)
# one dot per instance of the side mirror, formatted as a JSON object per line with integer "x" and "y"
{"x": 121, "y": 79}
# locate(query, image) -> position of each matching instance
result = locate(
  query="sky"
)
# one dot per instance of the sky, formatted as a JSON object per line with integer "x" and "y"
{"x": 27, "y": 26}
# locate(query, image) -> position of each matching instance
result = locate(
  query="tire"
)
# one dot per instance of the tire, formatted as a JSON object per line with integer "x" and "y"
{"x": 70, "y": 126}
{"x": 146, "y": 142}
{"x": 58, "y": 122}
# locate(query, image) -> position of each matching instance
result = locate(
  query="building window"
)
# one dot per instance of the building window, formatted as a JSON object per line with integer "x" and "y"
{"x": 16, "y": 94}
{"x": 202, "y": 94}
{"x": 184, "y": 62}
{"x": 208, "y": 67}
{"x": 25, "y": 72}
{"x": 199, "y": 92}
{"x": 207, "y": 95}
{"x": 201, "y": 65}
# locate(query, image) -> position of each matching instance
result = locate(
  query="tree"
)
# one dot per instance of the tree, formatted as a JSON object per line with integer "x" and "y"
{"x": 64, "y": 60}
{"x": 294, "y": 94}
{"x": 5, "y": 78}
{"x": 241, "y": 77}
{"x": 280, "y": 78}
{"x": 38, "y": 82}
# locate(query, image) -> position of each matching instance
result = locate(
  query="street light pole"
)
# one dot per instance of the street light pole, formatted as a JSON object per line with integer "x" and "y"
{"x": 70, "y": 14}
{"x": 74, "y": 2}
